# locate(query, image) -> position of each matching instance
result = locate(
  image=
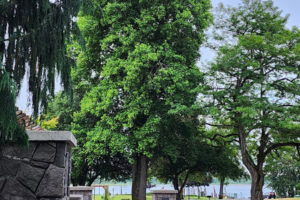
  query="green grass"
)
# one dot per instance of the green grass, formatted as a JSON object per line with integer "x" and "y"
{"x": 119, "y": 197}
{"x": 149, "y": 197}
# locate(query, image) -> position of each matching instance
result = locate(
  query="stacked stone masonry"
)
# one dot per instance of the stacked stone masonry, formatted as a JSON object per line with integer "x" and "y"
{"x": 81, "y": 193}
{"x": 38, "y": 172}
{"x": 26, "y": 121}
{"x": 164, "y": 194}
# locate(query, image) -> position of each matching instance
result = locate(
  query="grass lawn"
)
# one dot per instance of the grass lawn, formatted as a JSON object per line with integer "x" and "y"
{"x": 149, "y": 197}
{"x": 120, "y": 197}
{"x": 290, "y": 199}
{"x": 128, "y": 196}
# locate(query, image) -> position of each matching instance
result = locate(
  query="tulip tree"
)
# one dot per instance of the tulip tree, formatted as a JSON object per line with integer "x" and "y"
{"x": 143, "y": 54}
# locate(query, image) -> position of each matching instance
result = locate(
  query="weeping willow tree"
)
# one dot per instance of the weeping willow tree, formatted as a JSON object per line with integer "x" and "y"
{"x": 10, "y": 131}
{"x": 33, "y": 34}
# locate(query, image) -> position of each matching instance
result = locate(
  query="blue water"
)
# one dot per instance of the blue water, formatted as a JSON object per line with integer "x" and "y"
{"x": 235, "y": 190}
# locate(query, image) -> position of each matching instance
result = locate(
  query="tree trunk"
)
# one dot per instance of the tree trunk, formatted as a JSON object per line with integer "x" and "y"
{"x": 139, "y": 178}
{"x": 222, "y": 180}
{"x": 257, "y": 185}
{"x": 256, "y": 170}
{"x": 180, "y": 188}
{"x": 176, "y": 187}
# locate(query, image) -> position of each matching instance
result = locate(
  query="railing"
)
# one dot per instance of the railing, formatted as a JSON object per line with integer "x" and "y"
{"x": 98, "y": 188}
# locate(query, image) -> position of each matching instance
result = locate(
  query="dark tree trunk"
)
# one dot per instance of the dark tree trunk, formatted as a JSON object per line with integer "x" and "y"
{"x": 256, "y": 170}
{"x": 179, "y": 195}
{"x": 176, "y": 186}
{"x": 222, "y": 180}
{"x": 139, "y": 178}
{"x": 257, "y": 184}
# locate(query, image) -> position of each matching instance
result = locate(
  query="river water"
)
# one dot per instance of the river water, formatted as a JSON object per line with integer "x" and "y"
{"x": 234, "y": 190}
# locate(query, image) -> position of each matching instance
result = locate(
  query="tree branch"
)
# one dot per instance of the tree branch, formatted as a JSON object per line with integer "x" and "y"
{"x": 278, "y": 145}
{"x": 224, "y": 136}
{"x": 184, "y": 182}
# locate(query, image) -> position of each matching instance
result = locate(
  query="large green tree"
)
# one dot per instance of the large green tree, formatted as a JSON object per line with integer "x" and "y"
{"x": 193, "y": 164}
{"x": 32, "y": 39}
{"x": 142, "y": 56}
{"x": 185, "y": 155}
{"x": 229, "y": 166}
{"x": 283, "y": 171}
{"x": 180, "y": 152}
{"x": 255, "y": 83}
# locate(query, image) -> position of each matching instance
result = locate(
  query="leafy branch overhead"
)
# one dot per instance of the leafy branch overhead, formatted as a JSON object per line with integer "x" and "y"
{"x": 33, "y": 35}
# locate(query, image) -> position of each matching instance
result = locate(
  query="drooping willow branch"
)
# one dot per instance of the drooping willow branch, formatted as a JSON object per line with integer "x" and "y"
{"x": 33, "y": 35}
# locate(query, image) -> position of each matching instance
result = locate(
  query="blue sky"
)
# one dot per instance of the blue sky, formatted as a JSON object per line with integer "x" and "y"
{"x": 291, "y": 7}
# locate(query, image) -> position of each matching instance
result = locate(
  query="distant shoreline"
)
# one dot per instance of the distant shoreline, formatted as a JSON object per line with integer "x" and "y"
{"x": 129, "y": 183}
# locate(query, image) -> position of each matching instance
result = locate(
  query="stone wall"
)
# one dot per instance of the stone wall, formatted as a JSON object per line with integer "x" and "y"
{"x": 81, "y": 191}
{"x": 39, "y": 172}
{"x": 164, "y": 194}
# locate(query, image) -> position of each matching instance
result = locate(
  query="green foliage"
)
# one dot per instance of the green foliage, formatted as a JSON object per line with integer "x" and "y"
{"x": 254, "y": 83}
{"x": 298, "y": 186}
{"x": 179, "y": 152}
{"x": 59, "y": 116}
{"x": 196, "y": 162}
{"x": 185, "y": 158}
{"x": 143, "y": 56}
{"x": 283, "y": 172}
{"x": 59, "y": 113}
{"x": 32, "y": 38}
{"x": 228, "y": 166}
{"x": 258, "y": 78}
{"x": 136, "y": 71}
{"x": 10, "y": 130}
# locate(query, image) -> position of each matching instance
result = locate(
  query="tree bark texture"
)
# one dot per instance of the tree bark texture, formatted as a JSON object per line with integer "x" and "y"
{"x": 222, "y": 181}
{"x": 139, "y": 178}
{"x": 257, "y": 184}
{"x": 180, "y": 188}
{"x": 256, "y": 170}
{"x": 176, "y": 187}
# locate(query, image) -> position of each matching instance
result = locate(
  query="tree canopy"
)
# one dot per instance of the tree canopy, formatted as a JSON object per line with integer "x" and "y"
{"x": 86, "y": 167}
{"x": 283, "y": 171}
{"x": 195, "y": 163}
{"x": 254, "y": 84}
{"x": 142, "y": 55}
